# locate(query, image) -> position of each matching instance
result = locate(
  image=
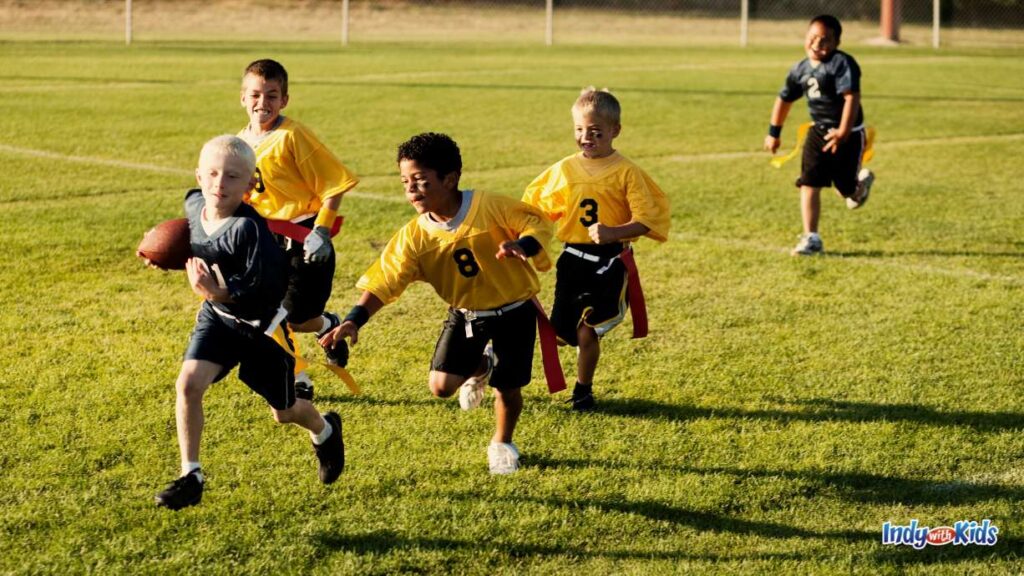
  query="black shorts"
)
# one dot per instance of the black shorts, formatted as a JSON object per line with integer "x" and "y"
{"x": 513, "y": 335}
{"x": 823, "y": 169}
{"x": 588, "y": 292}
{"x": 309, "y": 285}
{"x": 263, "y": 365}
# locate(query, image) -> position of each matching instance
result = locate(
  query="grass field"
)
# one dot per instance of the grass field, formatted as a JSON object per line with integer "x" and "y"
{"x": 780, "y": 412}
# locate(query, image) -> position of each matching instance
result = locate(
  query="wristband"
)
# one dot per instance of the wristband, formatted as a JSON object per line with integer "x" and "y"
{"x": 358, "y": 315}
{"x": 774, "y": 131}
{"x": 529, "y": 245}
{"x": 325, "y": 217}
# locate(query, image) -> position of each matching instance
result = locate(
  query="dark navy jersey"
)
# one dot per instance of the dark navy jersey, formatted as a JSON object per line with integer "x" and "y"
{"x": 824, "y": 86}
{"x": 244, "y": 254}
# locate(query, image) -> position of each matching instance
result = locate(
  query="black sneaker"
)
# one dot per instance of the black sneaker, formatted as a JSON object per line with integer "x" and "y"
{"x": 331, "y": 453}
{"x": 582, "y": 400}
{"x": 304, "y": 390}
{"x": 332, "y": 322}
{"x": 337, "y": 354}
{"x": 182, "y": 493}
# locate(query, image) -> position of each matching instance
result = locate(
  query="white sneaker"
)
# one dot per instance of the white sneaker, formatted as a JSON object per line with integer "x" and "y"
{"x": 865, "y": 178}
{"x": 503, "y": 458}
{"x": 809, "y": 245}
{"x": 471, "y": 393}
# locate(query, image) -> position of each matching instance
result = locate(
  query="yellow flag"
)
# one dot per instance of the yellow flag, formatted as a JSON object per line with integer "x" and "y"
{"x": 301, "y": 363}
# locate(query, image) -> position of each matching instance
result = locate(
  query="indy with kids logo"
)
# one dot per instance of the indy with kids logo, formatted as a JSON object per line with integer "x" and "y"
{"x": 962, "y": 533}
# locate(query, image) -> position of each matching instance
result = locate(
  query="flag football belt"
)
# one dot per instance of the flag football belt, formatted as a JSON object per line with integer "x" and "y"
{"x": 801, "y": 135}
{"x": 296, "y": 232}
{"x": 634, "y": 291}
{"x": 471, "y": 315}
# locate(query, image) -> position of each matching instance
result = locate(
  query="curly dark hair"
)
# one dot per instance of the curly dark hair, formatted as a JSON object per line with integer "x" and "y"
{"x": 830, "y": 22}
{"x": 432, "y": 150}
{"x": 269, "y": 70}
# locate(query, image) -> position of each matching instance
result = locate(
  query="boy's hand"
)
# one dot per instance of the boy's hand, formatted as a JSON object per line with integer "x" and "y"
{"x": 511, "y": 249}
{"x": 772, "y": 143}
{"x": 601, "y": 234}
{"x": 833, "y": 139}
{"x": 203, "y": 283}
{"x": 347, "y": 328}
{"x": 317, "y": 247}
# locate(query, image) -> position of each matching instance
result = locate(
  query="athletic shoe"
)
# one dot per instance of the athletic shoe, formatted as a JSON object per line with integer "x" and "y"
{"x": 865, "y": 178}
{"x": 582, "y": 401}
{"x": 184, "y": 492}
{"x": 331, "y": 453}
{"x": 471, "y": 393}
{"x": 332, "y": 322}
{"x": 304, "y": 390}
{"x": 337, "y": 354}
{"x": 503, "y": 458}
{"x": 809, "y": 245}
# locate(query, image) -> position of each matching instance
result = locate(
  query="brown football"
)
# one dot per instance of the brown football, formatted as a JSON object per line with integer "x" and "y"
{"x": 167, "y": 245}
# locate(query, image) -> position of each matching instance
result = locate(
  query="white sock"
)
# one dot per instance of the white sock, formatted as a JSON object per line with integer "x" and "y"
{"x": 304, "y": 378}
{"x": 188, "y": 467}
{"x": 324, "y": 434}
{"x": 324, "y": 323}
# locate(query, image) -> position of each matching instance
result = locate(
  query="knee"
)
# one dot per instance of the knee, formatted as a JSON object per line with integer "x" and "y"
{"x": 190, "y": 387}
{"x": 442, "y": 385}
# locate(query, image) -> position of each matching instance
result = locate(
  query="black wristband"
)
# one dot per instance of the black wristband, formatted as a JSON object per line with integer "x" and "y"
{"x": 358, "y": 315}
{"x": 530, "y": 245}
{"x": 774, "y": 131}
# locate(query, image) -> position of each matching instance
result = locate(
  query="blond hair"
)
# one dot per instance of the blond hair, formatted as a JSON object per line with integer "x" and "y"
{"x": 230, "y": 145}
{"x": 599, "y": 102}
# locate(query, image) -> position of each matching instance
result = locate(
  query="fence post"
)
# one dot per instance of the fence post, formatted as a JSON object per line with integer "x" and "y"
{"x": 344, "y": 22}
{"x": 549, "y": 25}
{"x": 744, "y": 22}
{"x": 127, "y": 22}
{"x": 936, "y": 11}
{"x": 890, "y": 21}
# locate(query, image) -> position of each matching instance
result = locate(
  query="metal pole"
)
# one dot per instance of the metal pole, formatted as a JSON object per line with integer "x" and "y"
{"x": 744, "y": 22}
{"x": 344, "y": 23}
{"x": 549, "y": 26}
{"x": 127, "y": 22}
{"x": 936, "y": 10}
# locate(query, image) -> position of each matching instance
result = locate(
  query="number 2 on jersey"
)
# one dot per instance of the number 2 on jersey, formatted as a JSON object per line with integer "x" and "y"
{"x": 812, "y": 88}
{"x": 590, "y": 212}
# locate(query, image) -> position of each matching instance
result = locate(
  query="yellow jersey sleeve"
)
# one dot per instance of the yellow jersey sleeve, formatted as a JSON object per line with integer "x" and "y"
{"x": 648, "y": 203}
{"x": 461, "y": 264}
{"x": 549, "y": 191}
{"x": 296, "y": 173}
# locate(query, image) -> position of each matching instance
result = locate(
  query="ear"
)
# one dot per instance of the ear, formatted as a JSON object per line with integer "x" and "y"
{"x": 284, "y": 101}
{"x": 199, "y": 179}
{"x": 252, "y": 183}
{"x": 451, "y": 181}
{"x": 616, "y": 130}
{"x": 241, "y": 97}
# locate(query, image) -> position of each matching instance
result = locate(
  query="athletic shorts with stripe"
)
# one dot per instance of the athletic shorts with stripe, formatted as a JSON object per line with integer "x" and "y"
{"x": 513, "y": 335}
{"x": 586, "y": 294}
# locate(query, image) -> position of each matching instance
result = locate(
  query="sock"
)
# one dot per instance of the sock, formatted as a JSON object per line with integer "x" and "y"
{"x": 324, "y": 434}
{"x": 188, "y": 467}
{"x": 582, "y": 389}
{"x": 327, "y": 322}
{"x": 303, "y": 378}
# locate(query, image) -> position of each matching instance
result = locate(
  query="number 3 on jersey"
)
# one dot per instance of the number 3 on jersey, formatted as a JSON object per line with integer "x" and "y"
{"x": 589, "y": 207}
{"x": 466, "y": 262}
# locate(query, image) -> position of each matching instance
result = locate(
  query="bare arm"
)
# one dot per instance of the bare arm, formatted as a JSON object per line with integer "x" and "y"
{"x": 602, "y": 234}
{"x": 836, "y": 136}
{"x": 779, "y": 113}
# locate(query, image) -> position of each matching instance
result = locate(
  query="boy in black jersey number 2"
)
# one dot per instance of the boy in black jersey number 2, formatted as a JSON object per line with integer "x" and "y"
{"x": 835, "y": 143}
{"x": 240, "y": 272}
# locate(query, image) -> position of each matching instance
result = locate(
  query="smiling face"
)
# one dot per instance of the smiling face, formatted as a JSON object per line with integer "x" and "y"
{"x": 224, "y": 178}
{"x": 821, "y": 42}
{"x": 593, "y": 133}
{"x": 262, "y": 100}
{"x": 427, "y": 192}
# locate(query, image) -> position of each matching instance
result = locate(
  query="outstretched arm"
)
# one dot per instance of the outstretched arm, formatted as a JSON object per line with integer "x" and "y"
{"x": 367, "y": 306}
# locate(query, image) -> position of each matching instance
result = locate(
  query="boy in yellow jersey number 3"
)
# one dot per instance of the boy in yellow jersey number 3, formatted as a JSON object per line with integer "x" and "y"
{"x": 474, "y": 248}
{"x": 600, "y": 201}
{"x": 298, "y": 190}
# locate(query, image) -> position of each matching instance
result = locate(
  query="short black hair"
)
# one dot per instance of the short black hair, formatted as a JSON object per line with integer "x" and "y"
{"x": 830, "y": 22}
{"x": 269, "y": 70}
{"x": 432, "y": 150}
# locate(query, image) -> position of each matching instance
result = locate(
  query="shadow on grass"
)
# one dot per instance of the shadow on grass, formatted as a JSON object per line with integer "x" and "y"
{"x": 901, "y": 253}
{"x": 820, "y": 410}
{"x": 388, "y": 541}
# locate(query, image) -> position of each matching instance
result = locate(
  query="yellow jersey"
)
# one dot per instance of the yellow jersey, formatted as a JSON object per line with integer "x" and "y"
{"x": 577, "y": 192}
{"x": 295, "y": 173}
{"x": 461, "y": 264}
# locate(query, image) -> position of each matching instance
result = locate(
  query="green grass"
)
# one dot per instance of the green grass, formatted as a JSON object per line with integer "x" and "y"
{"x": 781, "y": 410}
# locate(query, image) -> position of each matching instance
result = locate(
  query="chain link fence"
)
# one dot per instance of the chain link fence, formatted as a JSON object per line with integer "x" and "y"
{"x": 623, "y": 22}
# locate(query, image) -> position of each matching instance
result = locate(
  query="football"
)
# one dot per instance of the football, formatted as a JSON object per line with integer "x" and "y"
{"x": 166, "y": 245}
